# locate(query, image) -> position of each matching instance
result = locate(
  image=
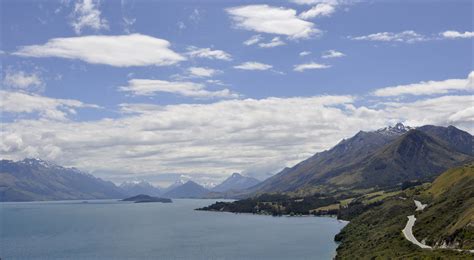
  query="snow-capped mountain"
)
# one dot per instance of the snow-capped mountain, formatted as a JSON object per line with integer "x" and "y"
{"x": 236, "y": 182}
{"x": 398, "y": 129}
{"x": 132, "y": 188}
{"x": 35, "y": 179}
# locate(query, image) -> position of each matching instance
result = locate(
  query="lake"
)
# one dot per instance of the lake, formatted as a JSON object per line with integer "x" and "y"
{"x": 108, "y": 229}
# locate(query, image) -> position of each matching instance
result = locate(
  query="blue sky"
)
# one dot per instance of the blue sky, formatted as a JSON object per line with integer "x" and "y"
{"x": 159, "y": 90}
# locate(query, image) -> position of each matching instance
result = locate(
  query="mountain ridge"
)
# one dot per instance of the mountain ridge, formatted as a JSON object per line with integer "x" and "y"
{"x": 337, "y": 166}
{"x": 35, "y": 179}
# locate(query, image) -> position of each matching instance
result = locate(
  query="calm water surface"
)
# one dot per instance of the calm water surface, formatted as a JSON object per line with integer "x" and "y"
{"x": 109, "y": 229}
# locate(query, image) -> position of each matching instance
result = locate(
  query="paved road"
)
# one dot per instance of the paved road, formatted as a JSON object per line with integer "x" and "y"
{"x": 408, "y": 232}
{"x": 419, "y": 206}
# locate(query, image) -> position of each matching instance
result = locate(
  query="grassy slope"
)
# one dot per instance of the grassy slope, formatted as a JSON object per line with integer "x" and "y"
{"x": 450, "y": 218}
{"x": 376, "y": 233}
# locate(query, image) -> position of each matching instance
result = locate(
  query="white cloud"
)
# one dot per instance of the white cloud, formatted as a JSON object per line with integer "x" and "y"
{"x": 119, "y": 51}
{"x": 86, "y": 14}
{"x": 332, "y": 54}
{"x": 202, "y": 72}
{"x": 253, "y": 65}
{"x": 253, "y": 40}
{"x": 216, "y": 82}
{"x": 456, "y": 34}
{"x": 304, "y": 53}
{"x": 208, "y": 53}
{"x": 23, "y": 103}
{"x": 317, "y": 11}
{"x": 310, "y": 66}
{"x": 240, "y": 135}
{"x": 149, "y": 87}
{"x": 405, "y": 36}
{"x": 276, "y": 41}
{"x": 273, "y": 20}
{"x": 313, "y": 2}
{"x": 22, "y": 80}
{"x": 428, "y": 87}
{"x": 181, "y": 25}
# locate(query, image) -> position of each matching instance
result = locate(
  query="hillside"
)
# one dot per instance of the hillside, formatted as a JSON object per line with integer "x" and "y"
{"x": 33, "y": 179}
{"x": 382, "y": 158}
{"x": 447, "y": 219}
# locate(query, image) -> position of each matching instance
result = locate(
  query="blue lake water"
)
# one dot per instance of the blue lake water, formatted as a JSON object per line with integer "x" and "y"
{"x": 108, "y": 229}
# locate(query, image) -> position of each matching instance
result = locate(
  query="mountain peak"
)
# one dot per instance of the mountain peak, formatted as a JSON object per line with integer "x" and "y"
{"x": 236, "y": 175}
{"x": 40, "y": 162}
{"x": 397, "y": 129}
{"x": 236, "y": 182}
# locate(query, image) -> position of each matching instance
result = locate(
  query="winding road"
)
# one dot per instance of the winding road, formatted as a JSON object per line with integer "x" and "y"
{"x": 408, "y": 230}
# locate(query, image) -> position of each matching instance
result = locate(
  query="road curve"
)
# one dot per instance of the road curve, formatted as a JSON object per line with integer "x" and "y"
{"x": 408, "y": 233}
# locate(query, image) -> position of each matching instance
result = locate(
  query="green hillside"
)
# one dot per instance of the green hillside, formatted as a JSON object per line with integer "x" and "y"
{"x": 448, "y": 219}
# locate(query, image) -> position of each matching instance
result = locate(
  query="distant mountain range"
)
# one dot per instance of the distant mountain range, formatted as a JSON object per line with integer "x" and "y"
{"x": 33, "y": 179}
{"x": 133, "y": 188}
{"x": 378, "y": 159}
{"x": 382, "y": 158}
{"x": 236, "y": 182}
{"x": 189, "y": 189}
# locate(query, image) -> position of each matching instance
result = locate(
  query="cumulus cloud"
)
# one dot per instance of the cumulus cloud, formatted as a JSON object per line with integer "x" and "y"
{"x": 408, "y": 36}
{"x": 322, "y": 9}
{"x": 202, "y": 72}
{"x": 276, "y": 41}
{"x": 22, "y": 103}
{"x": 332, "y": 54}
{"x": 272, "y": 20}
{"x": 310, "y": 66}
{"x": 22, "y": 80}
{"x": 253, "y": 40}
{"x": 313, "y": 2}
{"x": 149, "y": 87}
{"x": 253, "y": 65}
{"x": 118, "y": 51}
{"x": 456, "y": 35}
{"x": 86, "y": 14}
{"x": 207, "y": 53}
{"x": 304, "y": 53}
{"x": 428, "y": 87}
{"x": 215, "y": 139}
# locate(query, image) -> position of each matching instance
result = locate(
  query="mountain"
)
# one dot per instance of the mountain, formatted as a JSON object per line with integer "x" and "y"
{"x": 413, "y": 156}
{"x": 446, "y": 222}
{"x": 176, "y": 184}
{"x": 34, "y": 179}
{"x": 380, "y": 158}
{"x": 188, "y": 190}
{"x": 456, "y": 138}
{"x": 236, "y": 182}
{"x": 132, "y": 188}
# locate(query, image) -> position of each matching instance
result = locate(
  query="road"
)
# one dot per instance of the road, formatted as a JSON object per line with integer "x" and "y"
{"x": 408, "y": 233}
{"x": 408, "y": 230}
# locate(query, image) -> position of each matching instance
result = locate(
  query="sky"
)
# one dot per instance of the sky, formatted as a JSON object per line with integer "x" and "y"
{"x": 165, "y": 90}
